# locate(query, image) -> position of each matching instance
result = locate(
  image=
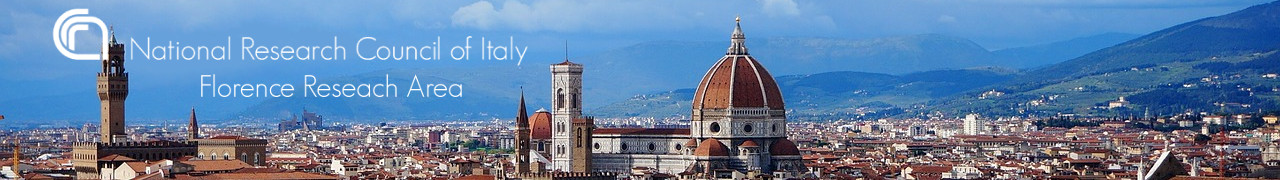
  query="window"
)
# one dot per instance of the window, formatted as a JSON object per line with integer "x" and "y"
{"x": 746, "y": 128}
{"x": 559, "y": 98}
{"x": 652, "y": 147}
{"x": 574, "y": 100}
{"x": 715, "y": 127}
{"x": 597, "y": 145}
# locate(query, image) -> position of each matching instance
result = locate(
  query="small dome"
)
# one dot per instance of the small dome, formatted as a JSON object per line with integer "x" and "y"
{"x": 784, "y": 147}
{"x": 711, "y": 147}
{"x": 540, "y": 125}
{"x": 749, "y": 143}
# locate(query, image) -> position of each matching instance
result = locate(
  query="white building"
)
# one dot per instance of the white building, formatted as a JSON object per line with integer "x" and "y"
{"x": 972, "y": 126}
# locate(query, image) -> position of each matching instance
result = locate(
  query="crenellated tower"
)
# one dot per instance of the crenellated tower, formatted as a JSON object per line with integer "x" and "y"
{"x": 113, "y": 88}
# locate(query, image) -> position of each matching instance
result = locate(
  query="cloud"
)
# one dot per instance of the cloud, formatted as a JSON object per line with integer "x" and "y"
{"x": 780, "y": 7}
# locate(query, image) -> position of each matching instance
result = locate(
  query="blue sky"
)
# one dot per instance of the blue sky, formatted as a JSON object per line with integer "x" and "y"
{"x": 591, "y": 26}
{"x": 28, "y": 57}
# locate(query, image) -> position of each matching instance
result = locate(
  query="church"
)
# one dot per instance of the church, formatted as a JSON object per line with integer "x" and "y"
{"x": 737, "y": 126}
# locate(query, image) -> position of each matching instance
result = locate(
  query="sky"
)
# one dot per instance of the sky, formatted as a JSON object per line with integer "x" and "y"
{"x": 590, "y": 25}
{"x": 29, "y": 59}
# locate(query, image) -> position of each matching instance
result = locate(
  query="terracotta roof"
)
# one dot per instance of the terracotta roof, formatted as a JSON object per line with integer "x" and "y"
{"x": 281, "y": 175}
{"x": 566, "y": 62}
{"x": 217, "y": 165}
{"x": 229, "y": 137}
{"x": 643, "y": 131}
{"x": 116, "y": 157}
{"x": 478, "y": 177}
{"x": 749, "y": 143}
{"x": 737, "y": 80}
{"x": 540, "y": 125}
{"x": 711, "y": 147}
{"x": 137, "y": 166}
{"x": 784, "y": 147}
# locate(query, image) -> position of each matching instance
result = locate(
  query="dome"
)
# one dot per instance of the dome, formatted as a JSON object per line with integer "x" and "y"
{"x": 737, "y": 80}
{"x": 540, "y": 125}
{"x": 784, "y": 147}
{"x": 749, "y": 143}
{"x": 711, "y": 147}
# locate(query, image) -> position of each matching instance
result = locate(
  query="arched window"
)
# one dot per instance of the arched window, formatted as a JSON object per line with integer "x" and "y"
{"x": 581, "y": 139}
{"x": 560, "y": 98}
{"x": 574, "y": 100}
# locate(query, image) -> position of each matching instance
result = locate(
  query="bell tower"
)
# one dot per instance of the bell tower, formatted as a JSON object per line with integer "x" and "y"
{"x": 113, "y": 88}
{"x": 566, "y": 105}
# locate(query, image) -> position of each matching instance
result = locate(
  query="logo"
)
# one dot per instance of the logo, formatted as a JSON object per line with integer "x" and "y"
{"x": 68, "y": 24}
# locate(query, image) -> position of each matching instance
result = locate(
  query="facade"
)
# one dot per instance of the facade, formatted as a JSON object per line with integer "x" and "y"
{"x": 738, "y": 125}
{"x": 90, "y": 157}
{"x": 250, "y": 151}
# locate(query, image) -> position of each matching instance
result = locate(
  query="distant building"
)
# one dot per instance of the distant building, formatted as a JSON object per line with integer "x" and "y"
{"x": 309, "y": 121}
{"x": 1118, "y": 103}
{"x": 972, "y": 126}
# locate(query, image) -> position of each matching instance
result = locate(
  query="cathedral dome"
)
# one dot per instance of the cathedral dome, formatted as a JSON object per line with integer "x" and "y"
{"x": 737, "y": 80}
{"x": 711, "y": 147}
{"x": 784, "y": 147}
{"x": 540, "y": 125}
{"x": 749, "y": 143}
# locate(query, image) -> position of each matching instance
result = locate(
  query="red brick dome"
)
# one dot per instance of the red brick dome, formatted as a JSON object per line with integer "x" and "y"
{"x": 737, "y": 80}
{"x": 749, "y": 143}
{"x": 711, "y": 147}
{"x": 540, "y": 125}
{"x": 784, "y": 147}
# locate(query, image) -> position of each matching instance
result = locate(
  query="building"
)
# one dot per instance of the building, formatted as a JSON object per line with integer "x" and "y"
{"x": 114, "y": 149}
{"x": 248, "y": 150}
{"x": 738, "y": 125}
{"x": 113, "y": 88}
{"x": 309, "y": 121}
{"x": 566, "y": 89}
{"x": 972, "y": 126}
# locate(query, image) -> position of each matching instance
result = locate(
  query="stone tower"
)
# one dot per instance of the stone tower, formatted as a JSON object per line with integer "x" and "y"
{"x": 522, "y": 137}
{"x": 193, "y": 128}
{"x": 581, "y": 153}
{"x": 113, "y": 88}
{"x": 566, "y": 94}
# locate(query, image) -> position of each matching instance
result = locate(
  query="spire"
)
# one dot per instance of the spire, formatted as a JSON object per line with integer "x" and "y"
{"x": 522, "y": 116}
{"x": 113, "y": 34}
{"x": 193, "y": 128}
{"x": 738, "y": 47}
